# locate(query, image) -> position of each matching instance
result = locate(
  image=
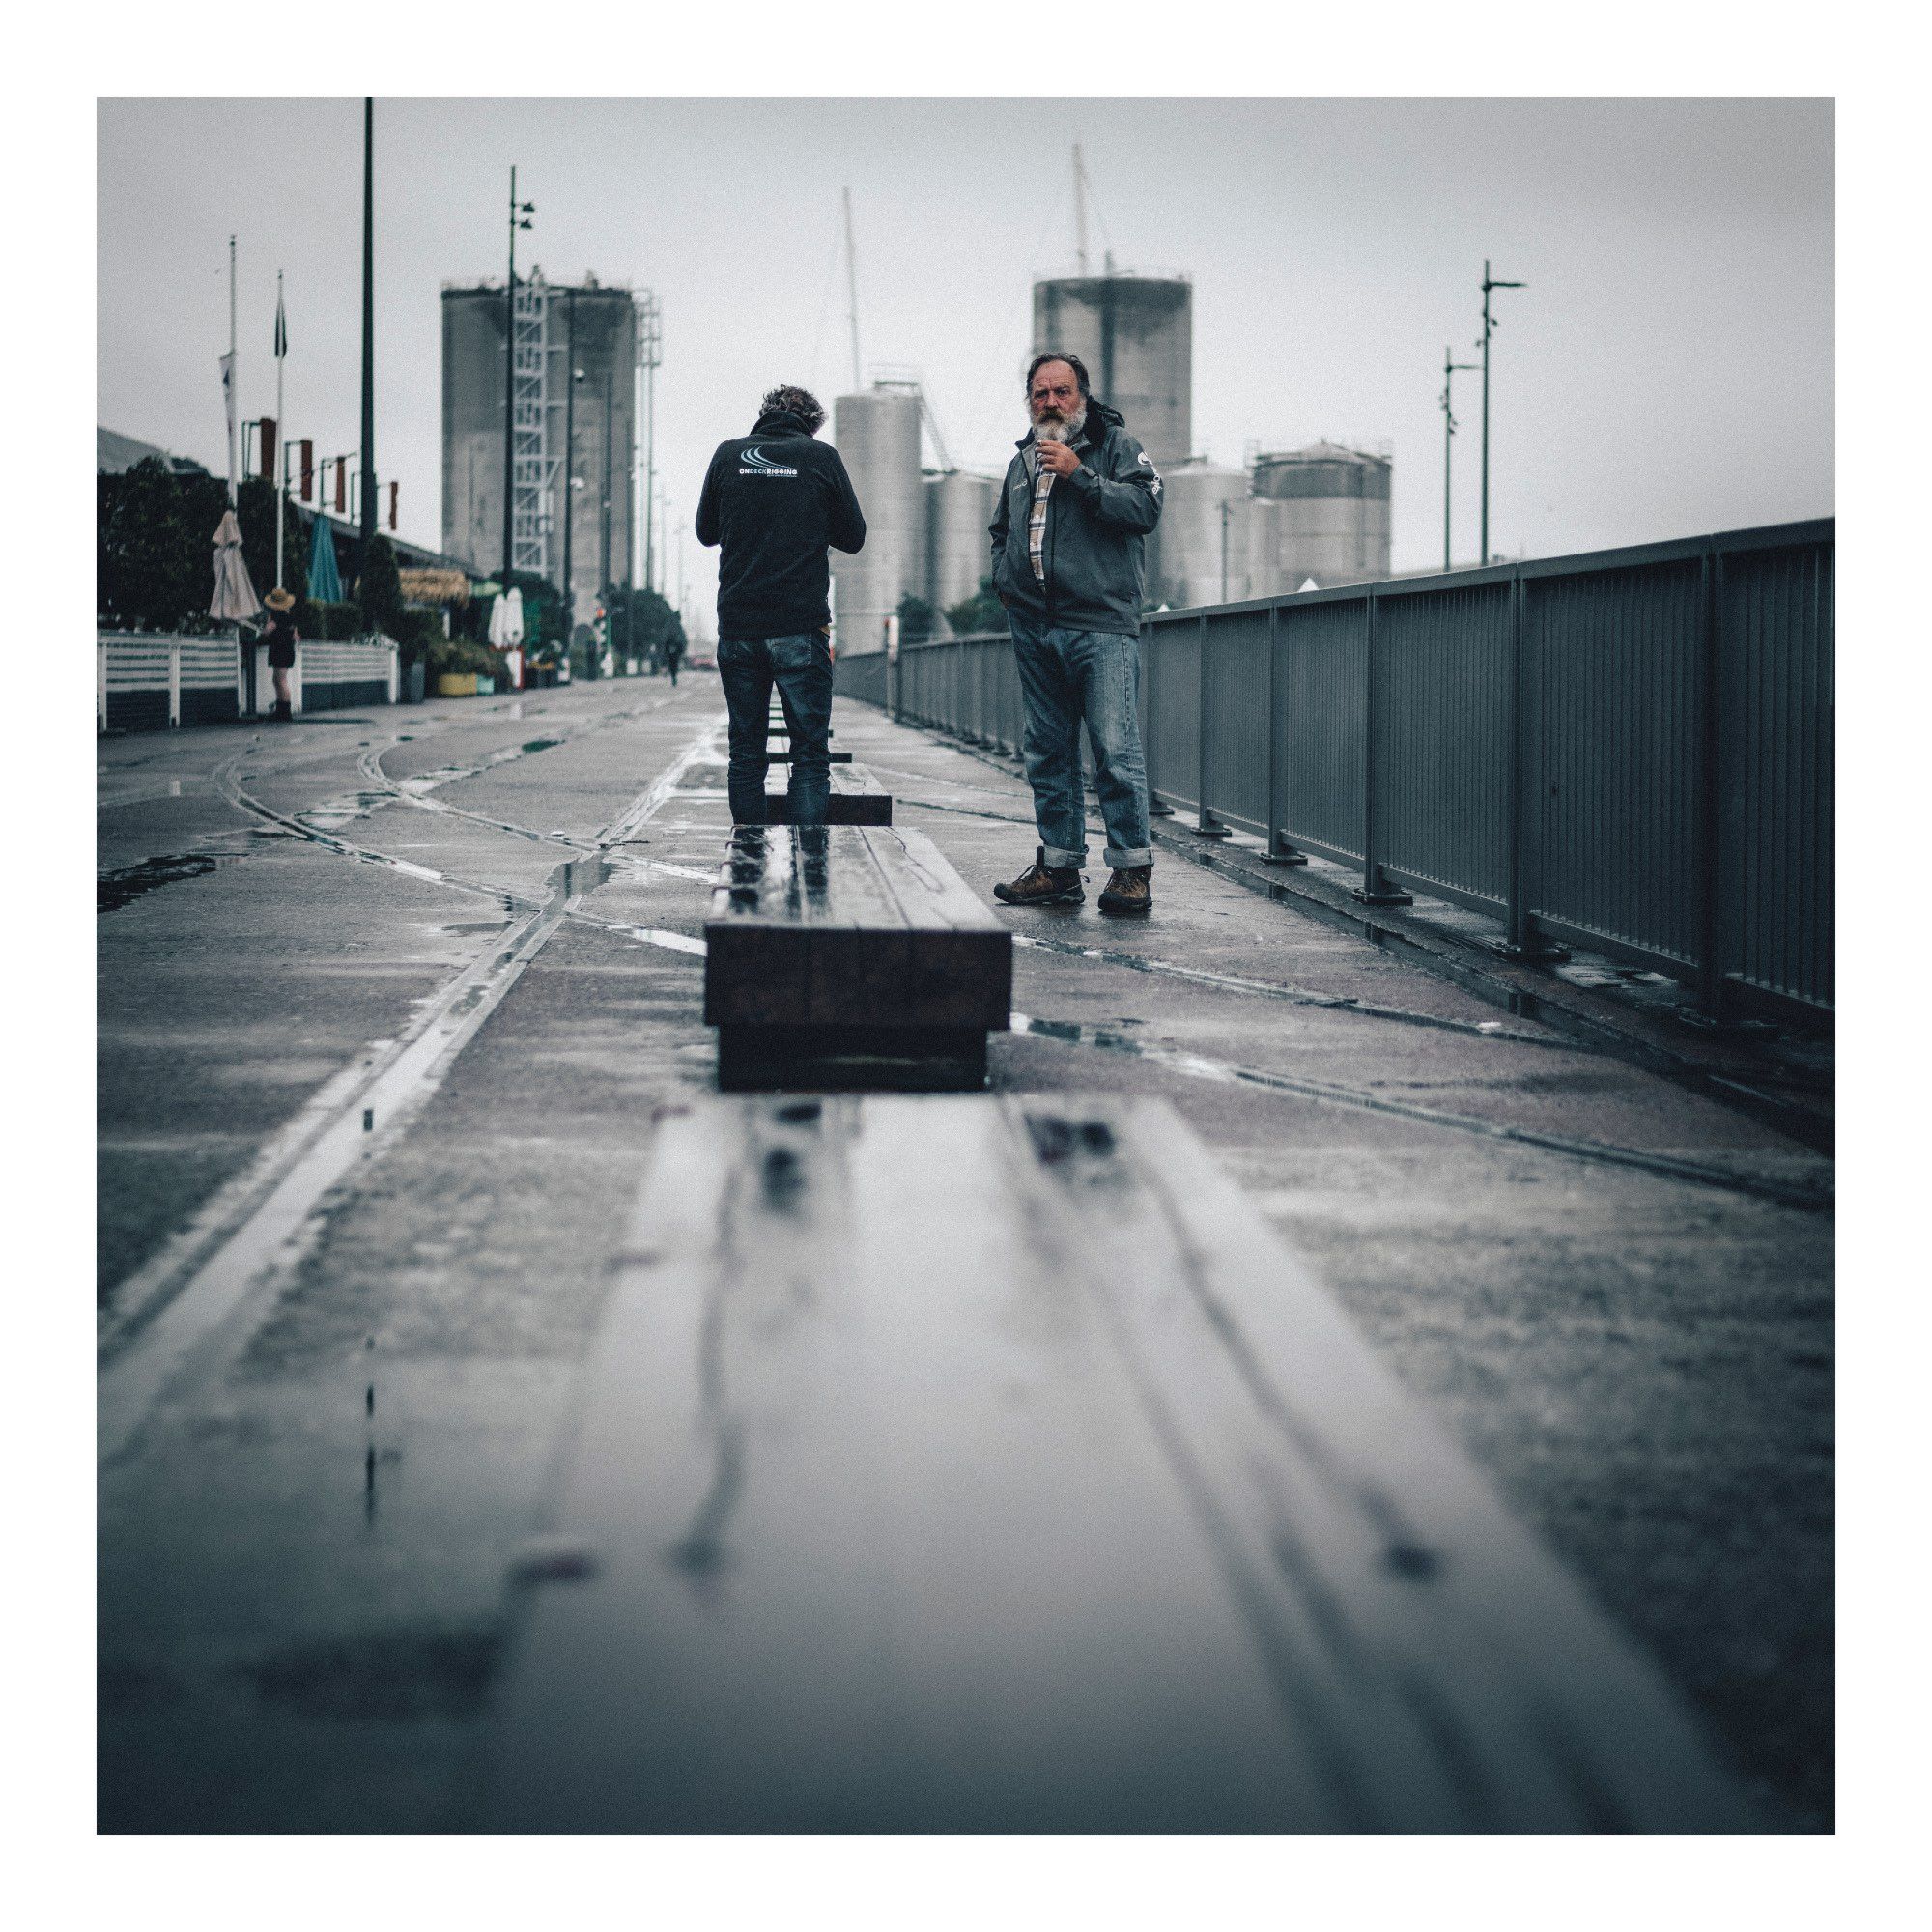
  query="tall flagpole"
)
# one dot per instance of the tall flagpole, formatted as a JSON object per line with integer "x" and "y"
{"x": 281, "y": 427}
{"x": 232, "y": 388}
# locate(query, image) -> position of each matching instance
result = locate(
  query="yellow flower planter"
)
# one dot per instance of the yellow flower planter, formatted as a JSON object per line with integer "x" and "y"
{"x": 456, "y": 684}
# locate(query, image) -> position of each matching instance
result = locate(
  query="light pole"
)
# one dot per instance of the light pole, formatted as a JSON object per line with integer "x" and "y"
{"x": 368, "y": 523}
{"x": 569, "y": 459}
{"x": 517, "y": 220}
{"x": 1449, "y": 368}
{"x": 1489, "y": 330}
{"x": 1224, "y": 552}
{"x": 650, "y": 323}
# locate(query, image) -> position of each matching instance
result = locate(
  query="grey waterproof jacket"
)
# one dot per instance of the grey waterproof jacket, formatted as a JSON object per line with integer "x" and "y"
{"x": 1097, "y": 523}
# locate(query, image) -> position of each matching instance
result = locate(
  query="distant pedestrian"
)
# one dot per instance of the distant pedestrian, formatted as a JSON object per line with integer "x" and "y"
{"x": 773, "y": 500}
{"x": 673, "y": 655}
{"x": 1079, "y": 499}
{"x": 281, "y": 636}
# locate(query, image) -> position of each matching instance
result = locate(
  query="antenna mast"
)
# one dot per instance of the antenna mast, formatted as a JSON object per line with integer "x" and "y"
{"x": 1080, "y": 207}
{"x": 852, "y": 286}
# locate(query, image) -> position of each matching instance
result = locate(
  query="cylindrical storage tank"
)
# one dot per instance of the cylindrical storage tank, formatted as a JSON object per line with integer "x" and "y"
{"x": 1136, "y": 337}
{"x": 959, "y": 508}
{"x": 1187, "y": 563}
{"x": 1334, "y": 512}
{"x": 877, "y": 434}
{"x": 1266, "y": 577}
{"x": 473, "y": 325}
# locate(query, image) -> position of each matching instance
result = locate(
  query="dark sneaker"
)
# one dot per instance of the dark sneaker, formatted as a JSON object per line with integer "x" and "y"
{"x": 1041, "y": 884}
{"x": 1129, "y": 892}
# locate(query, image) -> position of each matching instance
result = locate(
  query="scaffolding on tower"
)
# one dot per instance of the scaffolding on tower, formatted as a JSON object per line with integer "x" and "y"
{"x": 533, "y": 469}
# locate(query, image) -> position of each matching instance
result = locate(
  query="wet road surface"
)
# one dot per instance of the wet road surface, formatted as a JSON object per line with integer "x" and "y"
{"x": 387, "y": 1003}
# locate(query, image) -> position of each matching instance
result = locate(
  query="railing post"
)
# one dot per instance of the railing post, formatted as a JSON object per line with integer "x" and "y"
{"x": 1374, "y": 889}
{"x": 395, "y": 671}
{"x": 1157, "y": 807}
{"x": 296, "y": 684}
{"x": 1716, "y": 881}
{"x": 100, "y": 684}
{"x": 1279, "y": 851}
{"x": 174, "y": 686}
{"x": 1524, "y": 793}
{"x": 1207, "y": 824}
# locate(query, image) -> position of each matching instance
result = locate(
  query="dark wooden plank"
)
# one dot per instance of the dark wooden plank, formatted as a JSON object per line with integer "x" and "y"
{"x": 986, "y": 1465}
{"x": 865, "y": 926}
{"x": 857, "y": 798}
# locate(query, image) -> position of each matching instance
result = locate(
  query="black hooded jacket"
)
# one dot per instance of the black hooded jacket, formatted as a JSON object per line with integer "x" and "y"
{"x": 774, "y": 499}
{"x": 1096, "y": 524}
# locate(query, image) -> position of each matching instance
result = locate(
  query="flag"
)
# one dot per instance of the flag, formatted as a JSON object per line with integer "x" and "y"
{"x": 281, "y": 323}
{"x": 228, "y": 390}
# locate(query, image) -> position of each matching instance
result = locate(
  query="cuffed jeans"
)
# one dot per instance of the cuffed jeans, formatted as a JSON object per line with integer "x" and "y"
{"x": 1067, "y": 677}
{"x": 800, "y": 666}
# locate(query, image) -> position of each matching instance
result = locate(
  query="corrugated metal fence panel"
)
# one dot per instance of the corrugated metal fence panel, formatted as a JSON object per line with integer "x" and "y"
{"x": 1775, "y": 619}
{"x": 1443, "y": 674}
{"x": 1235, "y": 719}
{"x": 1617, "y": 656}
{"x": 1008, "y": 711}
{"x": 1171, "y": 670}
{"x": 1319, "y": 723}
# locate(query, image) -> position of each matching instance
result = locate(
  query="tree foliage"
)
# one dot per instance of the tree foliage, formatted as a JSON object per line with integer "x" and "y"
{"x": 155, "y": 545}
{"x": 642, "y": 622}
{"x": 918, "y": 619}
{"x": 979, "y": 612}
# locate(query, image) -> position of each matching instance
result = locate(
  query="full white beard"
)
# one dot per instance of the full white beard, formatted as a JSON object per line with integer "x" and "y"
{"x": 1060, "y": 432}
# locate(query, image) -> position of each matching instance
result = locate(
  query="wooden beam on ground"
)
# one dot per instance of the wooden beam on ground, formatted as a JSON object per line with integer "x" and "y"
{"x": 851, "y": 956}
{"x": 962, "y": 1464}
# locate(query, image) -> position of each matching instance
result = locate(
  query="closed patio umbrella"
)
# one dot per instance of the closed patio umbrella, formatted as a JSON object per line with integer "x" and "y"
{"x": 325, "y": 581}
{"x": 235, "y": 598}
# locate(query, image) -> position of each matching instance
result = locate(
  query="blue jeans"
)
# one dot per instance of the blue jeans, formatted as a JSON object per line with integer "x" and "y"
{"x": 800, "y": 666}
{"x": 1065, "y": 677}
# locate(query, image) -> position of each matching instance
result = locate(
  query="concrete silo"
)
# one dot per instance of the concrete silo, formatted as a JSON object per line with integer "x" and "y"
{"x": 876, "y": 433}
{"x": 1334, "y": 512}
{"x": 959, "y": 507}
{"x": 1185, "y": 561}
{"x": 1135, "y": 334}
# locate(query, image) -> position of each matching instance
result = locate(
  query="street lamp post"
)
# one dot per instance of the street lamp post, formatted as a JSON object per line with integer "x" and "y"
{"x": 368, "y": 523}
{"x": 1489, "y": 330}
{"x": 1449, "y": 368}
{"x": 569, "y": 461}
{"x": 517, "y": 220}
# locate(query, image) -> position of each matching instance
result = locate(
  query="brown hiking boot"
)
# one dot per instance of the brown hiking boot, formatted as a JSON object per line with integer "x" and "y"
{"x": 1129, "y": 892}
{"x": 1041, "y": 884}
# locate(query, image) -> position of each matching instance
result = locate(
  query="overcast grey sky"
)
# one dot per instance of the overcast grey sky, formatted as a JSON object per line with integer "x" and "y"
{"x": 1668, "y": 370}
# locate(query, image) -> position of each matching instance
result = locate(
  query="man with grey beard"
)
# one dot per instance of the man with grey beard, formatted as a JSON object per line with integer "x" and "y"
{"x": 1079, "y": 499}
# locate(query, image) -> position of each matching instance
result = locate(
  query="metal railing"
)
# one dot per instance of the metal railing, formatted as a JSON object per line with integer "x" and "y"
{"x": 1630, "y": 750}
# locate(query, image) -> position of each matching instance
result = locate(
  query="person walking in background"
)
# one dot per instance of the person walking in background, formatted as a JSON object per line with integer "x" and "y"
{"x": 1079, "y": 499}
{"x": 673, "y": 655}
{"x": 772, "y": 501}
{"x": 281, "y": 636}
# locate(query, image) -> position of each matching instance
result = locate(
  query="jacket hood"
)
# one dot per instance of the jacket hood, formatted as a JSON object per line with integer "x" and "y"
{"x": 1105, "y": 414}
{"x": 776, "y": 422}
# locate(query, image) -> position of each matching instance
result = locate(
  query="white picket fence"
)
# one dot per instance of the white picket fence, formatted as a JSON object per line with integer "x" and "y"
{"x": 131, "y": 665}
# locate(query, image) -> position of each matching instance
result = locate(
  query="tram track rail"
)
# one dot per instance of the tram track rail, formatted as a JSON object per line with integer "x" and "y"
{"x": 195, "y": 1301}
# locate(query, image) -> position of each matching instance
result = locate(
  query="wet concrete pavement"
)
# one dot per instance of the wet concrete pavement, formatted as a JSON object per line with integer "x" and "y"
{"x": 307, "y": 1520}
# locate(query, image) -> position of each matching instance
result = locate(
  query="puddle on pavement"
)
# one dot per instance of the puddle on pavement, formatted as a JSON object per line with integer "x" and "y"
{"x": 576, "y": 876}
{"x": 114, "y": 890}
{"x": 334, "y": 812}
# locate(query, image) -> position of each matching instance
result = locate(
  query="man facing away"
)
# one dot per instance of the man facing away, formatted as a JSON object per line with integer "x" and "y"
{"x": 1079, "y": 499}
{"x": 774, "y": 500}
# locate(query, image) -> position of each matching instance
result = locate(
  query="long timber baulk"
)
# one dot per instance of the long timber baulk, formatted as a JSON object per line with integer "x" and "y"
{"x": 968, "y": 1463}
